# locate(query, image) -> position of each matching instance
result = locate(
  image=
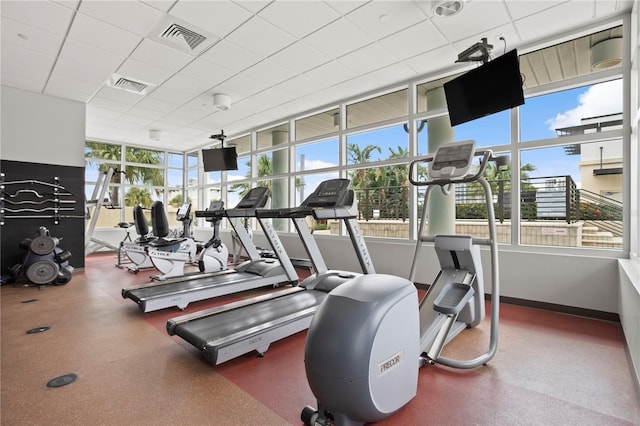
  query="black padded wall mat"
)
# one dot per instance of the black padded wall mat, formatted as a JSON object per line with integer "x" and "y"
{"x": 28, "y": 202}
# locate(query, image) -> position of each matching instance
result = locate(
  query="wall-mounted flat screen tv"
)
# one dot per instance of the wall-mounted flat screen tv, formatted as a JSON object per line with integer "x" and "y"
{"x": 217, "y": 159}
{"x": 490, "y": 88}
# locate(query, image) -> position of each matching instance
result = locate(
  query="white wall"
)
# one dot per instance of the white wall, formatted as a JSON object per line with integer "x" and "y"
{"x": 578, "y": 281}
{"x": 41, "y": 129}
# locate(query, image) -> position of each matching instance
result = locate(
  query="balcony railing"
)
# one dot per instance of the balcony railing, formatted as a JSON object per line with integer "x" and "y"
{"x": 541, "y": 198}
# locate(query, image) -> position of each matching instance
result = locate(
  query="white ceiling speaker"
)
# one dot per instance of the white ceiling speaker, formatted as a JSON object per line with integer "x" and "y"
{"x": 606, "y": 54}
{"x": 221, "y": 101}
{"x": 446, "y": 8}
{"x": 155, "y": 135}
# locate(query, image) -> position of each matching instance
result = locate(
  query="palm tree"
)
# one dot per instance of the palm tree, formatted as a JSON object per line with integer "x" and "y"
{"x": 361, "y": 178}
{"x": 113, "y": 153}
{"x": 139, "y": 196}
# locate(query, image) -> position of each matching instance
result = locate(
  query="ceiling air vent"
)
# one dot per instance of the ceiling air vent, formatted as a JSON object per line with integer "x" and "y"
{"x": 180, "y": 34}
{"x": 118, "y": 81}
{"x": 130, "y": 85}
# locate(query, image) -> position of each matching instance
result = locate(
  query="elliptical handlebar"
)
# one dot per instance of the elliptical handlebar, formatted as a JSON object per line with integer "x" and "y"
{"x": 486, "y": 154}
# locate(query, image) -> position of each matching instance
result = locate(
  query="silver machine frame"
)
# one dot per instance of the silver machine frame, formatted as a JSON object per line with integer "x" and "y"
{"x": 428, "y": 338}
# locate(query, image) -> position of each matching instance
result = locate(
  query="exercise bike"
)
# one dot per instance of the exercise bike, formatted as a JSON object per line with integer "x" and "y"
{"x": 136, "y": 251}
{"x": 170, "y": 255}
{"x": 368, "y": 378}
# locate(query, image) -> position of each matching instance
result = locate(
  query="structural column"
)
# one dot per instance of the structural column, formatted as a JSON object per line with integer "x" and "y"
{"x": 442, "y": 208}
{"x": 280, "y": 186}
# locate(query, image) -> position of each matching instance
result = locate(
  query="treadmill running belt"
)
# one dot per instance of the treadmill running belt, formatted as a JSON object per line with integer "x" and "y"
{"x": 201, "y": 331}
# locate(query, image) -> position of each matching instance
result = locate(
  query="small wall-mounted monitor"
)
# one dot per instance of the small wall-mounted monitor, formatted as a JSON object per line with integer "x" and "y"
{"x": 490, "y": 88}
{"x": 217, "y": 159}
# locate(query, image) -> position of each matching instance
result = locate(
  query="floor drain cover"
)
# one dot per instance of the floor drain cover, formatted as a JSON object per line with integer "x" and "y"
{"x": 62, "y": 380}
{"x": 29, "y": 301}
{"x": 38, "y": 330}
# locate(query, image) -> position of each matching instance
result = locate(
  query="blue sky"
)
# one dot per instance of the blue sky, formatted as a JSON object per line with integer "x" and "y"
{"x": 540, "y": 116}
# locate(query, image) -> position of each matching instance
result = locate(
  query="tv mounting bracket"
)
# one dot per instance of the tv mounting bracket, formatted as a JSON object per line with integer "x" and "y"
{"x": 221, "y": 137}
{"x": 471, "y": 54}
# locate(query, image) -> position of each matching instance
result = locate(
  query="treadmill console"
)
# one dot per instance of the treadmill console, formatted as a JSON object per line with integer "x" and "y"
{"x": 452, "y": 160}
{"x": 330, "y": 193}
{"x": 254, "y": 199}
{"x": 215, "y": 211}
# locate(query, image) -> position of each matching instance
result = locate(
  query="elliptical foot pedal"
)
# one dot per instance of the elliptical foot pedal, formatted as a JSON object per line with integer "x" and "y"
{"x": 453, "y": 298}
{"x": 449, "y": 303}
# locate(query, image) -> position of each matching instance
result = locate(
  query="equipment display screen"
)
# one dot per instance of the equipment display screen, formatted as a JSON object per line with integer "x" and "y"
{"x": 452, "y": 160}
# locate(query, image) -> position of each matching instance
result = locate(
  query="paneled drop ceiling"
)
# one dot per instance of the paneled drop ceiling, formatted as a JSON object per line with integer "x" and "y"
{"x": 155, "y": 65}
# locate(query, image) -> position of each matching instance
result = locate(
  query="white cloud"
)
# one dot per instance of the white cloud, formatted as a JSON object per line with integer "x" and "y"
{"x": 316, "y": 164}
{"x": 599, "y": 99}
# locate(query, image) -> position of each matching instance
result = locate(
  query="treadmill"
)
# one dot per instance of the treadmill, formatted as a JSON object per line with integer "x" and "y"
{"x": 254, "y": 273}
{"x": 226, "y": 332}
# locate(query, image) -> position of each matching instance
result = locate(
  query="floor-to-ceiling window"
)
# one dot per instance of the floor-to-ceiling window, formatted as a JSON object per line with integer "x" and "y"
{"x": 561, "y": 184}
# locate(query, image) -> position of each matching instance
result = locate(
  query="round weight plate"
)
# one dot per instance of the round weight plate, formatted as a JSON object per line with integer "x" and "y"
{"x": 43, "y": 244}
{"x": 62, "y": 380}
{"x": 42, "y": 272}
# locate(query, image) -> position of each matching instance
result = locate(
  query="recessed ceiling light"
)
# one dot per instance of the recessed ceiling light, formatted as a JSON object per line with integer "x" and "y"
{"x": 384, "y": 18}
{"x": 446, "y": 8}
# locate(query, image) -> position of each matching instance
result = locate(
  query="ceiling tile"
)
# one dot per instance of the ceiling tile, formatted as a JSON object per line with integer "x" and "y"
{"x": 300, "y": 57}
{"x": 31, "y": 38}
{"x": 260, "y": 37}
{"x": 206, "y": 71}
{"x": 25, "y": 68}
{"x": 367, "y": 59}
{"x": 118, "y": 95}
{"x": 41, "y": 14}
{"x": 155, "y": 105}
{"x": 268, "y": 72}
{"x": 522, "y": 9}
{"x": 162, "y": 5}
{"x": 84, "y": 73}
{"x": 460, "y": 26}
{"x": 541, "y": 24}
{"x": 240, "y": 87}
{"x": 230, "y": 56}
{"x": 97, "y": 33}
{"x": 101, "y": 113}
{"x": 133, "y": 16}
{"x": 110, "y": 105}
{"x": 403, "y": 44}
{"x": 345, "y": 6}
{"x": 170, "y": 96}
{"x": 161, "y": 56}
{"x": 140, "y": 71}
{"x": 380, "y": 19}
{"x": 69, "y": 4}
{"x": 69, "y": 88}
{"x": 300, "y": 84}
{"x": 329, "y": 74}
{"x": 286, "y": 15}
{"x": 90, "y": 56}
{"x": 433, "y": 61}
{"x": 217, "y": 17}
{"x": 338, "y": 38}
{"x": 253, "y": 6}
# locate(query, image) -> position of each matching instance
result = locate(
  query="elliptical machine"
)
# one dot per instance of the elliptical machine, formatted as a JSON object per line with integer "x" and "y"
{"x": 368, "y": 378}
